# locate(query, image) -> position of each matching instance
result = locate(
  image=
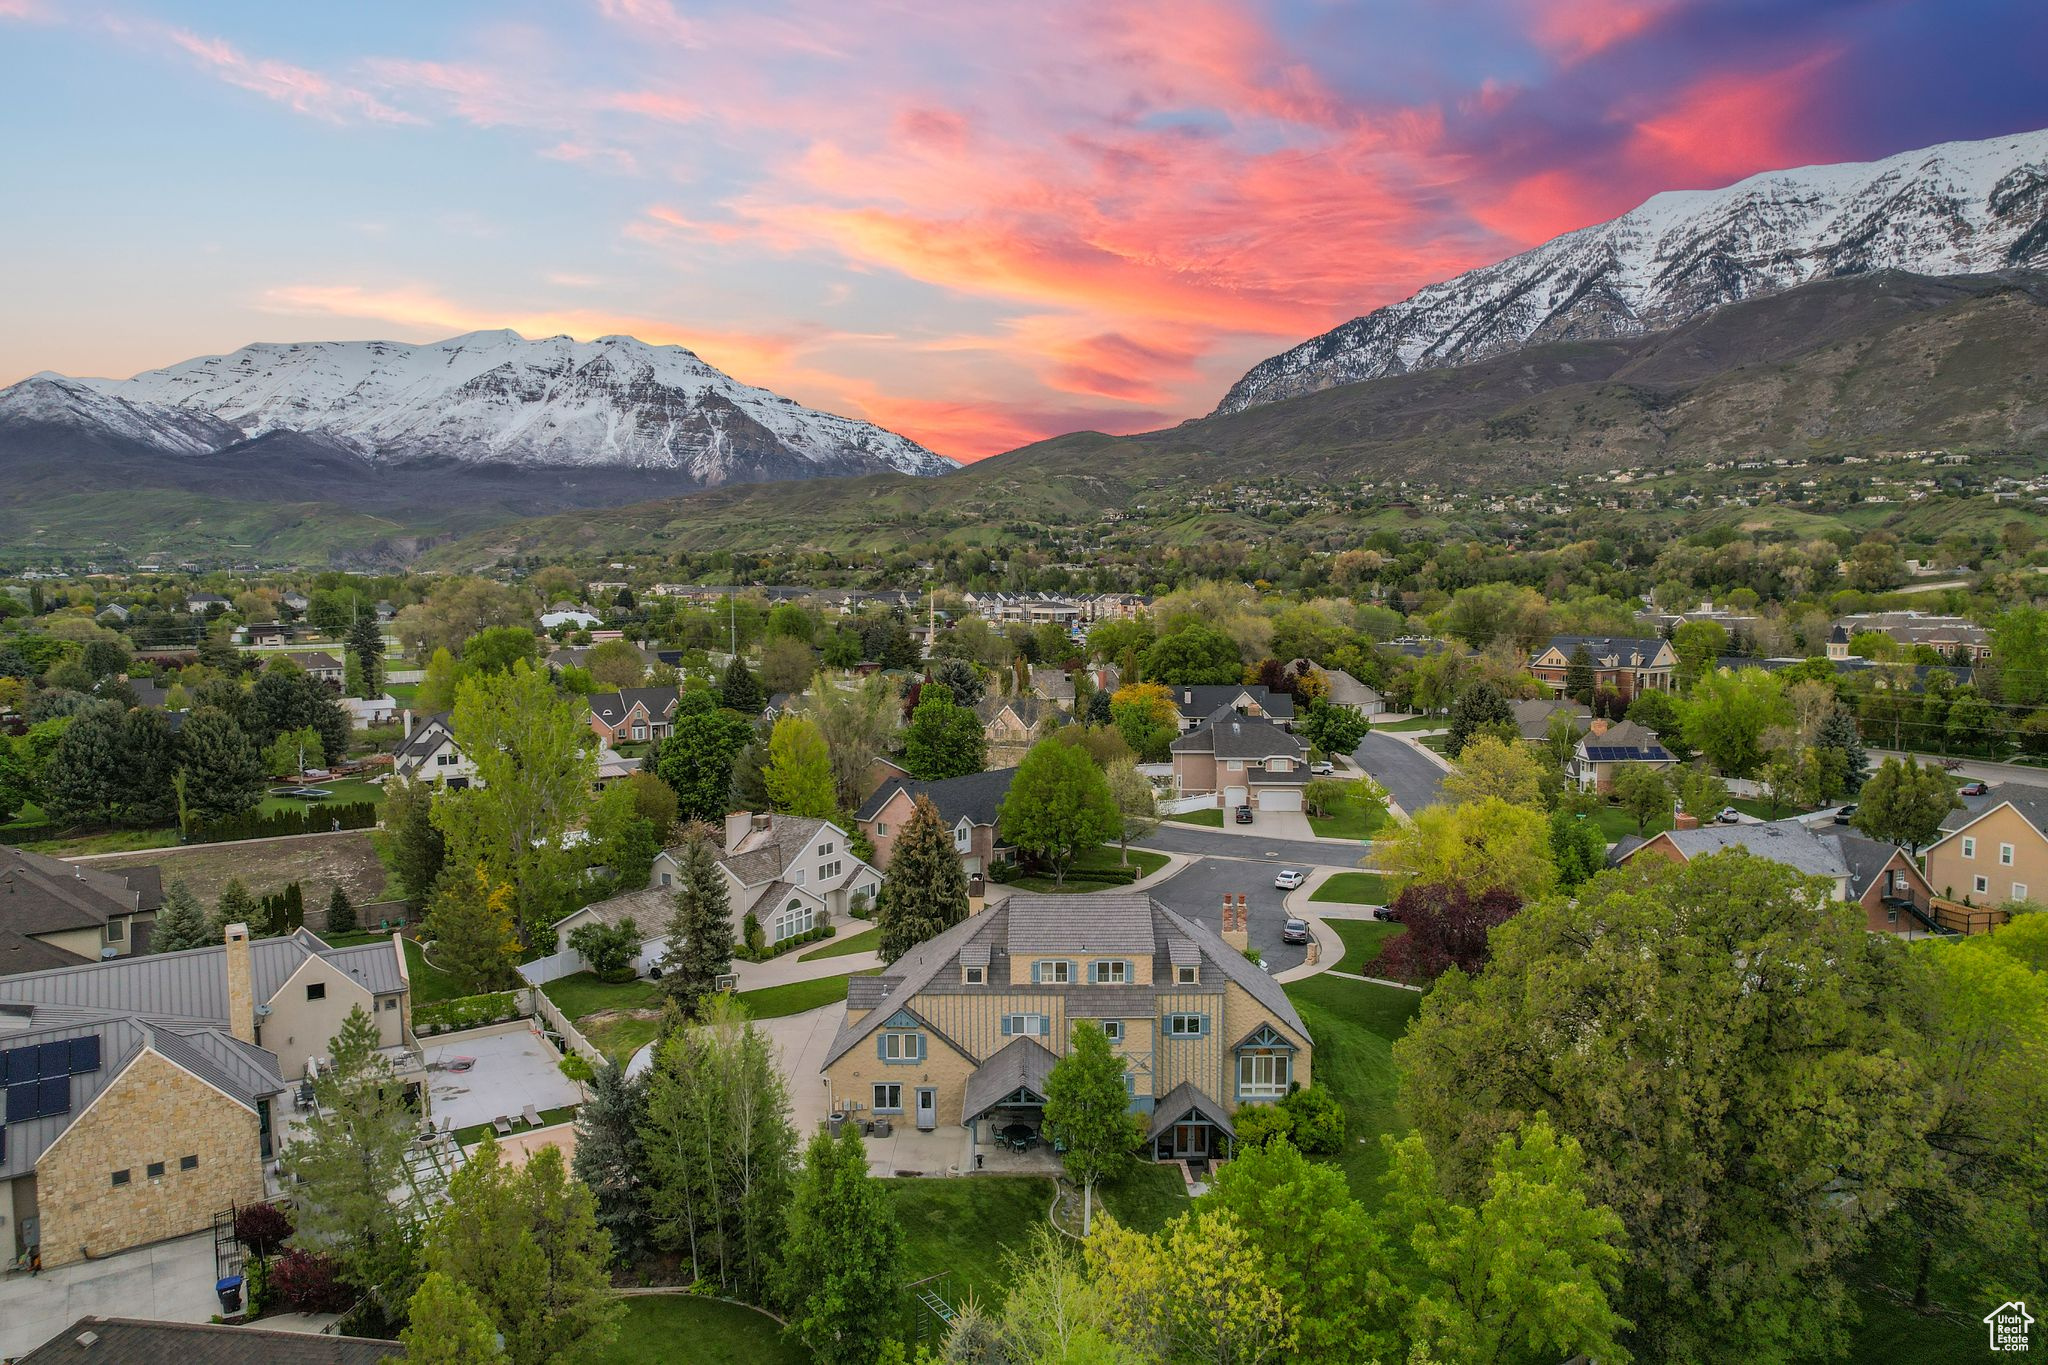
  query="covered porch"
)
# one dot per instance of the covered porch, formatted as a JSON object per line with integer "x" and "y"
{"x": 1003, "y": 1104}
{"x": 1189, "y": 1126}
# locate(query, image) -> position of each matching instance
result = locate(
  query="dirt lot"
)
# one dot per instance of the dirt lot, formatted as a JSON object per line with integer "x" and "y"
{"x": 315, "y": 861}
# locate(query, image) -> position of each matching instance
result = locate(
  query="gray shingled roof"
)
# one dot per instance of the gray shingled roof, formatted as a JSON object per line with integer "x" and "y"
{"x": 1782, "y": 841}
{"x": 1865, "y": 859}
{"x": 427, "y": 731}
{"x": 2031, "y": 803}
{"x": 1178, "y": 1103}
{"x": 977, "y": 796}
{"x": 613, "y": 707}
{"x": 1023, "y": 1062}
{"x": 1203, "y": 699}
{"x": 773, "y": 851}
{"x": 648, "y": 908}
{"x": 20, "y": 953}
{"x": 1532, "y": 718}
{"x": 1104, "y": 922}
{"x": 1235, "y": 736}
{"x": 1625, "y": 651}
{"x": 125, "y": 1341}
{"x": 41, "y": 895}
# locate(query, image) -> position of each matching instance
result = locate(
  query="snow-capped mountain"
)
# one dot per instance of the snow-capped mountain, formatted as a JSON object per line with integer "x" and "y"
{"x": 484, "y": 398}
{"x": 1959, "y": 208}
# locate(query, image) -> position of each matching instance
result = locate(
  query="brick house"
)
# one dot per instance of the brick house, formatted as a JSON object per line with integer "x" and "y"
{"x": 1242, "y": 760}
{"x": 1011, "y": 725}
{"x": 59, "y": 914}
{"x": 1626, "y": 667}
{"x": 963, "y": 1030}
{"x": 1876, "y": 877}
{"x": 633, "y": 715}
{"x": 144, "y": 1094}
{"x": 1604, "y": 748}
{"x": 969, "y": 806}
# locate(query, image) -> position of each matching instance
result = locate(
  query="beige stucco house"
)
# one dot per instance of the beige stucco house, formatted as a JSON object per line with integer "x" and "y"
{"x": 1993, "y": 850}
{"x": 1242, "y": 761}
{"x": 59, "y": 914}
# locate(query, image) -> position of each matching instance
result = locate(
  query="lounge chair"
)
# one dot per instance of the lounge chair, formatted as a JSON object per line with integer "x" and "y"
{"x": 503, "y": 1125}
{"x": 447, "y": 1124}
{"x": 532, "y": 1116}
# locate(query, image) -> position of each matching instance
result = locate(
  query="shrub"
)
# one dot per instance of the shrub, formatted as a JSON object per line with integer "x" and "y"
{"x": 313, "y": 820}
{"x": 310, "y": 1282}
{"x": 257, "y": 1291}
{"x": 341, "y": 912}
{"x": 751, "y": 935}
{"x": 465, "y": 1011}
{"x": 1002, "y": 873}
{"x": 1318, "y": 1121}
{"x": 1259, "y": 1124}
{"x": 262, "y": 1228}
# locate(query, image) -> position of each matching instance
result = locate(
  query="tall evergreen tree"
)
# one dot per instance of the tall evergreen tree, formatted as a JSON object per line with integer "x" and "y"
{"x": 87, "y": 771}
{"x": 1098, "y": 712}
{"x": 447, "y": 1325}
{"x": 417, "y": 848}
{"x": 926, "y": 889}
{"x": 235, "y": 906}
{"x": 700, "y": 928}
{"x": 741, "y": 690}
{"x": 1579, "y": 676}
{"x": 181, "y": 923}
{"x": 149, "y": 758}
{"x": 223, "y": 773}
{"x": 470, "y": 922}
{"x": 366, "y": 649}
{"x": 349, "y": 1157}
{"x": 524, "y": 1241}
{"x": 611, "y": 1159}
{"x": 837, "y": 1274}
{"x": 341, "y": 911}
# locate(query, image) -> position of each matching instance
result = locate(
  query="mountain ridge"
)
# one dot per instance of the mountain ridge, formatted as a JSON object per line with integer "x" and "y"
{"x": 1953, "y": 209}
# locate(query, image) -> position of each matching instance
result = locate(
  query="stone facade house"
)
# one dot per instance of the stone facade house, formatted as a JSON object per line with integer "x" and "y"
{"x": 59, "y": 914}
{"x": 963, "y": 1030}
{"x": 145, "y": 1094}
{"x": 969, "y": 805}
{"x": 1243, "y": 761}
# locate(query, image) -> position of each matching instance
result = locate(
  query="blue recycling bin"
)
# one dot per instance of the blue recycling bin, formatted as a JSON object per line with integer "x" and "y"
{"x": 230, "y": 1291}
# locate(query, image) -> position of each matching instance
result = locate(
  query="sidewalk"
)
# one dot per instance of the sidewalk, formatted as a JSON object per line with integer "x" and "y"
{"x": 781, "y": 971}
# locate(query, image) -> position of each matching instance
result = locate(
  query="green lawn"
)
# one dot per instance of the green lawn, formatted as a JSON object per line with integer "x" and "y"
{"x": 686, "y": 1329}
{"x": 963, "y": 1225}
{"x": 620, "y": 1036}
{"x": 356, "y": 939}
{"x": 1356, "y": 816}
{"x": 346, "y": 791}
{"x": 32, "y": 830}
{"x": 475, "y": 1132}
{"x": 583, "y": 994}
{"x": 1764, "y": 810}
{"x": 1403, "y": 727}
{"x": 1355, "y": 1024}
{"x": 842, "y": 944}
{"x": 1440, "y": 743}
{"x": 772, "y": 1002}
{"x": 1363, "y": 940}
{"x": 429, "y": 983}
{"x": 1146, "y": 1198}
{"x": 1352, "y": 888}
{"x": 1078, "y": 879}
{"x": 1617, "y": 824}
{"x": 1208, "y": 816}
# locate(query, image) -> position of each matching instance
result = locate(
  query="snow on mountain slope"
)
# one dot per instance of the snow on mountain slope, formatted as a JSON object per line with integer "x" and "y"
{"x": 53, "y": 401}
{"x": 1959, "y": 208}
{"x": 496, "y": 397}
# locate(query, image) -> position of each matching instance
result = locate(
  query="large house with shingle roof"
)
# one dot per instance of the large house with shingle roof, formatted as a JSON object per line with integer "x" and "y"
{"x": 1604, "y": 749}
{"x": 1876, "y": 877}
{"x": 1626, "y": 667}
{"x": 1995, "y": 848}
{"x": 59, "y": 914}
{"x": 791, "y": 873}
{"x": 145, "y": 1094}
{"x": 99, "y": 1340}
{"x": 429, "y": 753}
{"x": 633, "y": 715}
{"x": 1201, "y": 702}
{"x": 1243, "y": 761}
{"x": 963, "y": 1030}
{"x": 970, "y": 806}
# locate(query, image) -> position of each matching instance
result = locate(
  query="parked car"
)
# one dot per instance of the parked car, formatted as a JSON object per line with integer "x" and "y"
{"x": 1323, "y": 768}
{"x": 1290, "y": 878}
{"x": 1973, "y": 789}
{"x": 1294, "y": 931}
{"x": 1846, "y": 814}
{"x": 1729, "y": 816}
{"x": 1244, "y": 815}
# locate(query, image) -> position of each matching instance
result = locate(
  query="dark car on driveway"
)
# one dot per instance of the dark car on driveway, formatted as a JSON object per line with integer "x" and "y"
{"x": 1244, "y": 815}
{"x": 1973, "y": 789}
{"x": 1294, "y": 931}
{"x": 1846, "y": 814}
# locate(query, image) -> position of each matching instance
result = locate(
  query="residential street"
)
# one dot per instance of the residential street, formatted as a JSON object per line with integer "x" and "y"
{"x": 1197, "y": 892}
{"x": 1412, "y": 778}
{"x": 1172, "y": 837}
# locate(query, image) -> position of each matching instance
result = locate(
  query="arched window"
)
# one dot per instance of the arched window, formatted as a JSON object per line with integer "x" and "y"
{"x": 793, "y": 919}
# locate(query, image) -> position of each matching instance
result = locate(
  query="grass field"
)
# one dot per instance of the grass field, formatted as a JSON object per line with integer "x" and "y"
{"x": 619, "y": 1036}
{"x": 429, "y": 983}
{"x": 1078, "y": 879}
{"x": 32, "y": 830}
{"x": 843, "y": 943}
{"x": 963, "y": 1226}
{"x": 1146, "y": 1198}
{"x": 1617, "y": 824}
{"x": 1409, "y": 727}
{"x": 1355, "y": 1024}
{"x": 1352, "y": 888}
{"x": 583, "y": 994}
{"x": 1363, "y": 939}
{"x": 1356, "y": 816}
{"x": 1211, "y": 818}
{"x": 345, "y": 791}
{"x": 772, "y": 1002}
{"x": 690, "y": 1330}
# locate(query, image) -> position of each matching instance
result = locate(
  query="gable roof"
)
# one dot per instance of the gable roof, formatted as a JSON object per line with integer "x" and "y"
{"x": 1233, "y": 736}
{"x": 95, "y": 1341}
{"x": 613, "y": 707}
{"x": 1031, "y": 711}
{"x": 43, "y": 895}
{"x": 1532, "y": 718}
{"x": 1612, "y": 651}
{"x": 1185, "y": 1099}
{"x": 1344, "y": 690}
{"x": 1198, "y": 700}
{"x": 976, "y": 798}
{"x": 1781, "y": 841}
{"x": 1021, "y": 1064}
{"x": 1626, "y": 742}
{"x": 427, "y": 733}
{"x": 2030, "y": 803}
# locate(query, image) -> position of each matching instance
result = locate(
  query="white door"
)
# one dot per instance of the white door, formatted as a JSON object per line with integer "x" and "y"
{"x": 927, "y": 1109}
{"x": 1280, "y": 799}
{"x": 1233, "y": 797}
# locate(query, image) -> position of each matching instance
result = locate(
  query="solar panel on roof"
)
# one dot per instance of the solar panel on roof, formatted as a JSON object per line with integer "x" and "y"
{"x": 55, "y": 1059}
{"x": 53, "y": 1096}
{"x": 21, "y": 1102}
{"x": 17, "y": 1064}
{"x": 85, "y": 1054}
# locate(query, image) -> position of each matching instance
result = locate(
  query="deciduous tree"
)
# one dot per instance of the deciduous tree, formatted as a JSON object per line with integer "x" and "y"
{"x": 696, "y": 760}
{"x": 1088, "y": 1111}
{"x": 1643, "y": 791}
{"x": 1478, "y": 844}
{"x": 470, "y": 924}
{"x": 1491, "y": 766}
{"x": 799, "y": 770}
{"x": 1059, "y": 806}
{"x": 944, "y": 739}
{"x": 1193, "y": 655}
{"x": 1137, "y": 806}
{"x": 1446, "y": 925}
{"x": 1904, "y": 803}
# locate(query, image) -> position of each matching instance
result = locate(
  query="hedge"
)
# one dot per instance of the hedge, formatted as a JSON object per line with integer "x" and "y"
{"x": 313, "y": 820}
{"x": 809, "y": 936}
{"x": 465, "y": 1011}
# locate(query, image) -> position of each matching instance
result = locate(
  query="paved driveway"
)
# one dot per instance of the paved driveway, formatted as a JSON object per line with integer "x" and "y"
{"x": 171, "y": 1281}
{"x": 1172, "y": 837}
{"x": 1197, "y": 891}
{"x": 1413, "y": 779}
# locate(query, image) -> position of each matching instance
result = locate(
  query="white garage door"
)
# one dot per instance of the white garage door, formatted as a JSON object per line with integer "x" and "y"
{"x": 1280, "y": 800}
{"x": 1233, "y": 797}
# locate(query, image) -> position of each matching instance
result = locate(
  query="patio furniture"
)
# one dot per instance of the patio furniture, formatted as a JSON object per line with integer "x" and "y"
{"x": 532, "y": 1116}
{"x": 503, "y": 1125}
{"x": 447, "y": 1124}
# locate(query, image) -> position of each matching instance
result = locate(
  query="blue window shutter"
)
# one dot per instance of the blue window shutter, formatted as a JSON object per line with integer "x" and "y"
{"x": 881, "y": 1050}
{"x": 1006, "y": 1026}
{"x": 1045, "y": 1026}
{"x": 920, "y": 1046}
{"x": 1034, "y": 972}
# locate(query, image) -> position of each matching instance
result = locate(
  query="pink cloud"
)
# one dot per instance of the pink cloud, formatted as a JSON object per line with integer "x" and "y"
{"x": 303, "y": 90}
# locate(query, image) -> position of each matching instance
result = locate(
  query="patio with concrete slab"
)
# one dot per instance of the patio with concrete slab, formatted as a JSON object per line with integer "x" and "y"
{"x": 514, "y": 1067}
{"x": 171, "y": 1281}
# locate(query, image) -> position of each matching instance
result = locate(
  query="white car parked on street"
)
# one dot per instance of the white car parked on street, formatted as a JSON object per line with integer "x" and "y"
{"x": 1289, "y": 878}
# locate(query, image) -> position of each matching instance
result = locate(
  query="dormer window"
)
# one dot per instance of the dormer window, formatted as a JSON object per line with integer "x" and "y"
{"x": 1112, "y": 973}
{"x": 1187, "y": 976}
{"x": 975, "y": 976}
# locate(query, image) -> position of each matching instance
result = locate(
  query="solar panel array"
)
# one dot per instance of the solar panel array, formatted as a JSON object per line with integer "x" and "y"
{"x": 38, "y": 1078}
{"x": 1605, "y": 753}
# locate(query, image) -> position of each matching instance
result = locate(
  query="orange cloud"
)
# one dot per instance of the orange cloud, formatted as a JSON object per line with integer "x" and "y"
{"x": 1730, "y": 125}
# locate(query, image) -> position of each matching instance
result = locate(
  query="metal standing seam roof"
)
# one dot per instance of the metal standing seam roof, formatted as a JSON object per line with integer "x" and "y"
{"x": 192, "y": 985}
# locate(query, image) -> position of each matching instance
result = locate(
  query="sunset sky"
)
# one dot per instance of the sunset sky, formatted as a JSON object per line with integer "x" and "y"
{"x": 975, "y": 223}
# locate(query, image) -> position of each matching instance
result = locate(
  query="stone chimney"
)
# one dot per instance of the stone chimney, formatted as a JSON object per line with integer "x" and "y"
{"x": 1235, "y": 932}
{"x": 241, "y": 985}
{"x": 1598, "y": 727}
